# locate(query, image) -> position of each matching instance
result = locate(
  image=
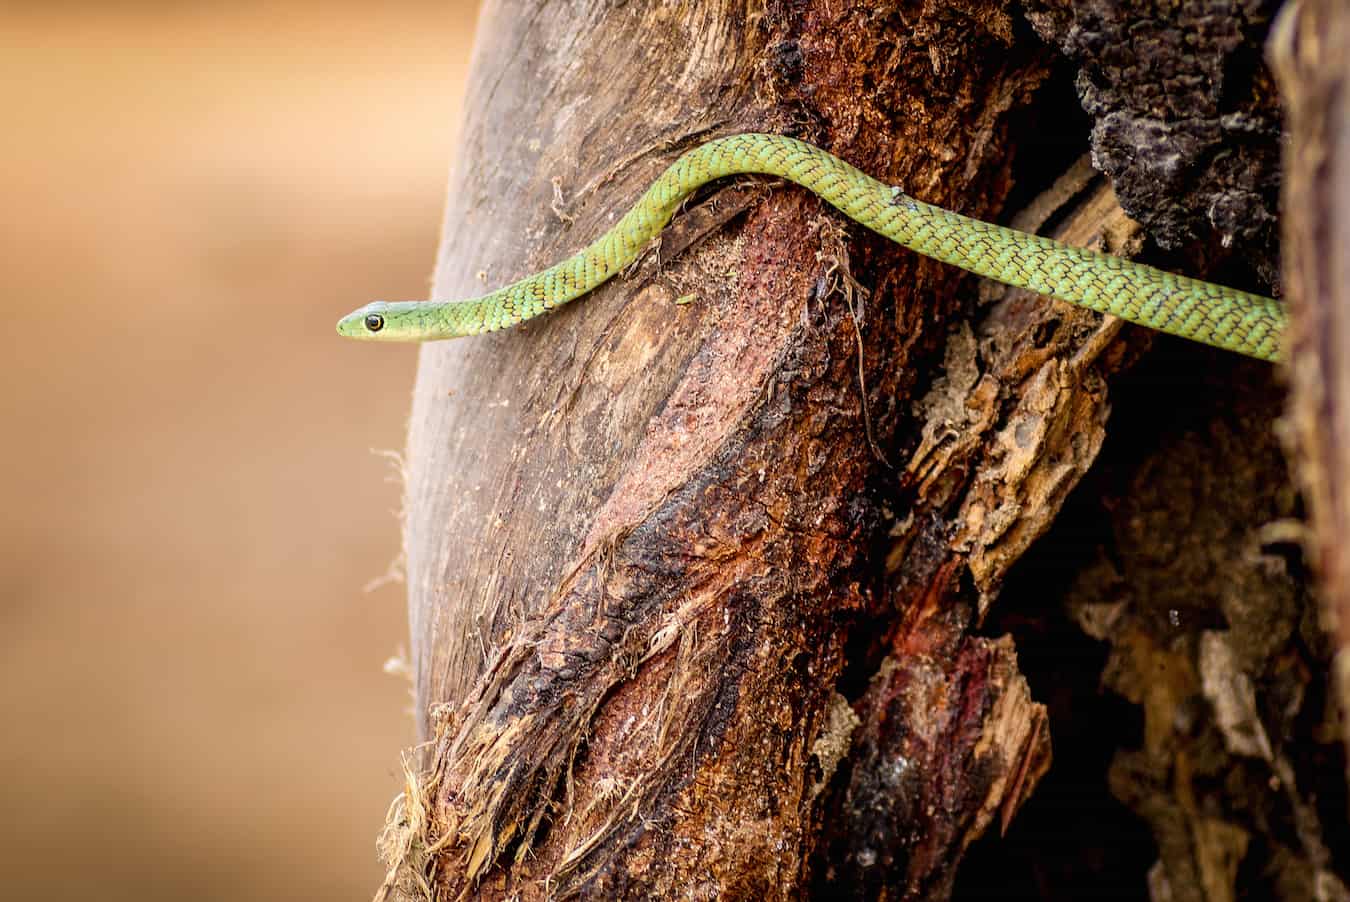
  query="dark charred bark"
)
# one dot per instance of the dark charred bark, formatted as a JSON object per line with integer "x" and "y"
{"x": 1185, "y": 118}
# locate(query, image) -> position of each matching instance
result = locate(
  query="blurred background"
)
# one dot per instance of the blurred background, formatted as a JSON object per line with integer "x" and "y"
{"x": 191, "y": 671}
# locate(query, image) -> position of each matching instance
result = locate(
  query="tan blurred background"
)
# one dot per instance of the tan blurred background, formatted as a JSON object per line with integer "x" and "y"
{"x": 190, "y": 671}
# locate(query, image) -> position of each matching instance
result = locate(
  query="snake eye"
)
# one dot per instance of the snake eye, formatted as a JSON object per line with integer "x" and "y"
{"x": 374, "y": 322}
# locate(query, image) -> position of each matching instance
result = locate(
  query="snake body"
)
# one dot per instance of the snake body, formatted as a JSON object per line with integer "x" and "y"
{"x": 1211, "y": 314}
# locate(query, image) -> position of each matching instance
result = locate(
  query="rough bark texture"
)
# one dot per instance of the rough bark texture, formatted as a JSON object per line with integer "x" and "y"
{"x": 695, "y": 589}
{"x": 1185, "y": 120}
{"x": 1312, "y": 53}
{"x": 638, "y": 530}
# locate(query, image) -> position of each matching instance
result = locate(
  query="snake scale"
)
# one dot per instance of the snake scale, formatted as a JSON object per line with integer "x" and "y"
{"x": 1211, "y": 314}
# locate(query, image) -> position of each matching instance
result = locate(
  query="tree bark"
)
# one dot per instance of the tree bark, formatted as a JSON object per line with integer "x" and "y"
{"x": 1310, "y": 50}
{"x": 695, "y": 585}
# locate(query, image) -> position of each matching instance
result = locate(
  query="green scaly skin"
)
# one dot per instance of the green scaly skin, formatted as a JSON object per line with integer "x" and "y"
{"x": 1210, "y": 314}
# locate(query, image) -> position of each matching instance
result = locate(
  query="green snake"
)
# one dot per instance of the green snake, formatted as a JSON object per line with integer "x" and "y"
{"x": 1211, "y": 314}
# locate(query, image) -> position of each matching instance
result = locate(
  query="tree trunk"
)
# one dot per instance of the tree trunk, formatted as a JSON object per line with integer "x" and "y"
{"x": 1312, "y": 52}
{"x": 696, "y": 564}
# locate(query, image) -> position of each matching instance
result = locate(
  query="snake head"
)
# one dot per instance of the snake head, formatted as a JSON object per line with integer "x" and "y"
{"x": 423, "y": 320}
{"x": 367, "y": 322}
{"x": 385, "y": 321}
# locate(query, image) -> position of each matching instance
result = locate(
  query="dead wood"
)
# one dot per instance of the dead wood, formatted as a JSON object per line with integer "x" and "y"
{"x": 697, "y": 566}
